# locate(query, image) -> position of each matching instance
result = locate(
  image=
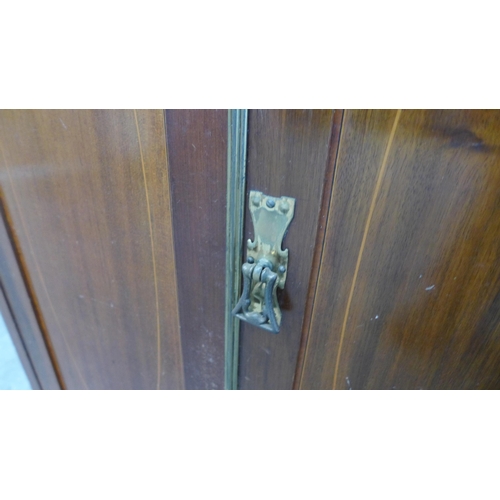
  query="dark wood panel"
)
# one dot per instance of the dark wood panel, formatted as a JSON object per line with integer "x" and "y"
{"x": 20, "y": 313}
{"x": 197, "y": 145}
{"x": 319, "y": 245}
{"x": 409, "y": 289}
{"x": 88, "y": 195}
{"x": 289, "y": 154}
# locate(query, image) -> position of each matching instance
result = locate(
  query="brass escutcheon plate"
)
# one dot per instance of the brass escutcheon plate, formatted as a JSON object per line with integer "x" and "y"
{"x": 267, "y": 262}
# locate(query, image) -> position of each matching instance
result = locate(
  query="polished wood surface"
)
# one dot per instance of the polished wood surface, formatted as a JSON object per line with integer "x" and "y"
{"x": 197, "y": 146}
{"x": 289, "y": 154}
{"x": 89, "y": 199}
{"x": 319, "y": 245}
{"x": 408, "y": 295}
{"x": 22, "y": 315}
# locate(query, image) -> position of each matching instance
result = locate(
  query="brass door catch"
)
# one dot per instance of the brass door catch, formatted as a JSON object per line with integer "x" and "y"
{"x": 267, "y": 264}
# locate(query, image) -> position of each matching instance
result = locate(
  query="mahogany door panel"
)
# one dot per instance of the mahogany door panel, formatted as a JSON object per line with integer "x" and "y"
{"x": 88, "y": 198}
{"x": 290, "y": 153}
{"x": 197, "y": 147}
{"x": 408, "y": 295}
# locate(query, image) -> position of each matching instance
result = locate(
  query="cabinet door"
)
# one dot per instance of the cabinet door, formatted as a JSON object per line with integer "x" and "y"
{"x": 408, "y": 293}
{"x": 117, "y": 223}
{"x": 401, "y": 249}
{"x": 290, "y": 153}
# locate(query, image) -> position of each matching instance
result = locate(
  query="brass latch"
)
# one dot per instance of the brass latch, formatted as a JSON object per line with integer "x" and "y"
{"x": 267, "y": 264}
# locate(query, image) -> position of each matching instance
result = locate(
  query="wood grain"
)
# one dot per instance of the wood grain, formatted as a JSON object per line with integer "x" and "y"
{"x": 409, "y": 287}
{"x": 89, "y": 198}
{"x": 197, "y": 145}
{"x": 319, "y": 245}
{"x": 288, "y": 155}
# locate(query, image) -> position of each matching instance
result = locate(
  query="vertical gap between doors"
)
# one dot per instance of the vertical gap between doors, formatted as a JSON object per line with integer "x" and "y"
{"x": 236, "y": 176}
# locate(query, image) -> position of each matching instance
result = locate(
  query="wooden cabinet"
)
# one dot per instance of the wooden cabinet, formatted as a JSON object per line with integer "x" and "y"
{"x": 113, "y": 246}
